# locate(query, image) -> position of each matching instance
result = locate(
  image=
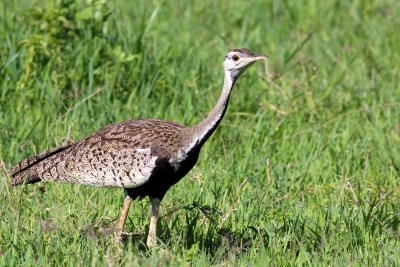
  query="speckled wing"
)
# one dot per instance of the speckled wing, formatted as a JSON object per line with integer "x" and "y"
{"x": 27, "y": 170}
{"x": 108, "y": 166}
{"x": 119, "y": 155}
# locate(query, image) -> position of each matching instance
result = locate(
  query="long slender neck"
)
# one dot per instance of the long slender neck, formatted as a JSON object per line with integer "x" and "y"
{"x": 202, "y": 131}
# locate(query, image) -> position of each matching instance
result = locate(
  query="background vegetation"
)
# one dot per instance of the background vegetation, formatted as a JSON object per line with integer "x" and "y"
{"x": 303, "y": 170}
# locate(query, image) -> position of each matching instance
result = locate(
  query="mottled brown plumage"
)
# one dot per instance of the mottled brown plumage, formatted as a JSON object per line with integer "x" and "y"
{"x": 145, "y": 157}
{"x": 119, "y": 155}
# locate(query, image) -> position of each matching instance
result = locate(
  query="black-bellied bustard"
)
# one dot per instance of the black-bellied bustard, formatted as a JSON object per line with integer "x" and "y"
{"x": 145, "y": 157}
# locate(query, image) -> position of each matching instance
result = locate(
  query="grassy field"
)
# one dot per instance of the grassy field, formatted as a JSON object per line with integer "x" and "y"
{"x": 304, "y": 169}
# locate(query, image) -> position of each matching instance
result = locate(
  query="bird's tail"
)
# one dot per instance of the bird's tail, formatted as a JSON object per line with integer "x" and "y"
{"x": 28, "y": 171}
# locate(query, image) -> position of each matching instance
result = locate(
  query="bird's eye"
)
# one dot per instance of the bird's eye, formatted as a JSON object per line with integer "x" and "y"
{"x": 235, "y": 57}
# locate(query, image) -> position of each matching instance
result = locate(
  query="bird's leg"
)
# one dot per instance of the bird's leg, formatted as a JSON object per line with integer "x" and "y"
{"x": 151, "y": 238}
{"x": 122, "y": 219}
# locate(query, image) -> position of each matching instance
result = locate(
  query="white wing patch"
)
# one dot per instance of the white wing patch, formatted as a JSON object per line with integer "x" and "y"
{"x": 176, "y": 161}
{"x": 143, "y": 150}
{"x": 183, "y": 153}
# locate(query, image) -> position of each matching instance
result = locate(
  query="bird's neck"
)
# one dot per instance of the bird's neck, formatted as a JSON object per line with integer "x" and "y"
{"x": 202, "y": 131}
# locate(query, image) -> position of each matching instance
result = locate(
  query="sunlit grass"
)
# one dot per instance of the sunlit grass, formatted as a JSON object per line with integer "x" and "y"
{"x": 304, "y": 169}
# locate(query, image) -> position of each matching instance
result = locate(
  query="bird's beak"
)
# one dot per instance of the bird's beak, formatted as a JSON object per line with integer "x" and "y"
{"x": 255, "y": 58}
{"x": 259, "y": 57}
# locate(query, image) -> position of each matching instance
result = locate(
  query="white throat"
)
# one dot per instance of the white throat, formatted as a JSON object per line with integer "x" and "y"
{"x": 202, "y": 131}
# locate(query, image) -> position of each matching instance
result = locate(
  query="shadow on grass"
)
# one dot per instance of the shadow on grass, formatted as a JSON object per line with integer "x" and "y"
{"x": 203, "y": 230}
{"x": 207, "y": 231}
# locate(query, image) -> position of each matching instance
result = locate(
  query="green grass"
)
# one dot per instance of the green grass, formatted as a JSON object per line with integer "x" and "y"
{"x": 304, "y": 169}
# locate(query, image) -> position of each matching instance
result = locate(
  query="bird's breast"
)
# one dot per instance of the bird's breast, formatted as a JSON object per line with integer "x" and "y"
{"x": 178, "y": 159}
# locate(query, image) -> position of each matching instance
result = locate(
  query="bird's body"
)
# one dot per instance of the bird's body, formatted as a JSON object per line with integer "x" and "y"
{"x": 145, "y": 157}
{"x": 132, "y": 155}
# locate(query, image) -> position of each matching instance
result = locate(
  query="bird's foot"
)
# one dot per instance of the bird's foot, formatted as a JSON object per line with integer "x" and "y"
{"x": 118, "y": 237}
{"x": 151, "y": 242}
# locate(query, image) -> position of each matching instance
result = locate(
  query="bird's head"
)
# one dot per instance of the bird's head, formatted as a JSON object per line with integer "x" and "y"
{"x": 238, "y": 60}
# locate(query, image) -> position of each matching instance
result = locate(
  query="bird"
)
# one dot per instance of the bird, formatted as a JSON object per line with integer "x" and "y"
{"x": 144, "y": 157}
